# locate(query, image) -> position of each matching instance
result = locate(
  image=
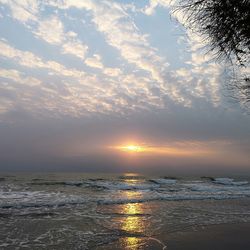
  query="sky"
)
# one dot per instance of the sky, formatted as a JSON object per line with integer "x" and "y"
{"x": 81, "y": 81}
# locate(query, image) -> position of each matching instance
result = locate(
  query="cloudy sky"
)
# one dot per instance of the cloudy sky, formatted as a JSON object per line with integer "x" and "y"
{"x": 81, "y": 79}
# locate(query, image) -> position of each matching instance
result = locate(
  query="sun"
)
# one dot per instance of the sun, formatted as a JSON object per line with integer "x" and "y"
{"x": 132, "y": 148}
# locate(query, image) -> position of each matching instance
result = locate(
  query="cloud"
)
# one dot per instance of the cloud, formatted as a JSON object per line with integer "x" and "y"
{"x": 94, "y": 62}
{"x": 113, "y": 72}
{"x": 24, "y": 58}
{"x": 50, "y": 30}
{"x": 125, "y": 36}
{"x": 153, "y": 4}
{"x": 75, "y": 48}
{"x": 121, "y": 32}
{"x": 30, "y": 60}
{"x": 23, "y": 11}
{"x": 18, "y": 77}
{"x": 205, "y": 74}
{"x": 132, "y": 76}
{"x": 5, "y": 106}
{"x": 80, "y": 93}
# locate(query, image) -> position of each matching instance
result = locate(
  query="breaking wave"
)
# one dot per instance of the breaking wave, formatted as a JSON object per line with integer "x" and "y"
{"x": 114, "y": 191}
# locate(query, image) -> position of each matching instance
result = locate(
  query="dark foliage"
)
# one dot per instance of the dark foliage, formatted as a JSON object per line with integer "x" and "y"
{"x": 224, "y": 23}
{"x": 238, "y": 85}
{"x": 225, "y": 26}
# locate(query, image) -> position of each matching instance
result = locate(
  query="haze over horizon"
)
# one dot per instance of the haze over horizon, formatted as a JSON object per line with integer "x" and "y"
{"x": 80, "y": 81}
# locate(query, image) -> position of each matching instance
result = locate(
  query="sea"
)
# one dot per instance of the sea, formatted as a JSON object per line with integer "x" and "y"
{"x": 113, "y": 211}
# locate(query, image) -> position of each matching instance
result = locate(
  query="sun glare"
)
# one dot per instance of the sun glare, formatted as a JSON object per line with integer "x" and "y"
{"x": 132, "y": 148}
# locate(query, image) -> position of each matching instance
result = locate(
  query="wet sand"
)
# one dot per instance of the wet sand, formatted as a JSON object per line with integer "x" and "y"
{"x": 224, "y": 236}
{"x": 213, "y": 237}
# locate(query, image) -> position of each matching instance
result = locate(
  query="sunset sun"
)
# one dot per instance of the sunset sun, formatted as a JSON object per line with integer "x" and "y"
{"x": 132, "y": 148}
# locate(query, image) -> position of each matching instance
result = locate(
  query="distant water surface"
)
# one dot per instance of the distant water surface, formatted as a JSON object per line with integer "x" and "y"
{"x": 90, "y": 211}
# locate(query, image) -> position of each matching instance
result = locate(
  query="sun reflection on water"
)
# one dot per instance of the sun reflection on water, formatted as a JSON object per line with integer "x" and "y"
{"x": 133, "y": 223}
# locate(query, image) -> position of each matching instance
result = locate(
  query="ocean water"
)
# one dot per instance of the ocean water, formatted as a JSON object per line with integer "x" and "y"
{"x": 126, "y": 211}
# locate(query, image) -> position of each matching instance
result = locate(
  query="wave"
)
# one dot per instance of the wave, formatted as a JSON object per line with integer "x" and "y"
{"x": 58, "y": 183}
{"x": 37, "y": 199}
{"x": 111, "y": 192}
{"x": 98, "y": 183}
{"x": 208, "y": 178}
{"x": 112, "y": 185}
{"x": 163, "y": 181}
{"x": 229, "y": 181}
{"x": 171, "y": 198}
{"x": 137, "y": 184}
{"x": 107, "y": 201}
